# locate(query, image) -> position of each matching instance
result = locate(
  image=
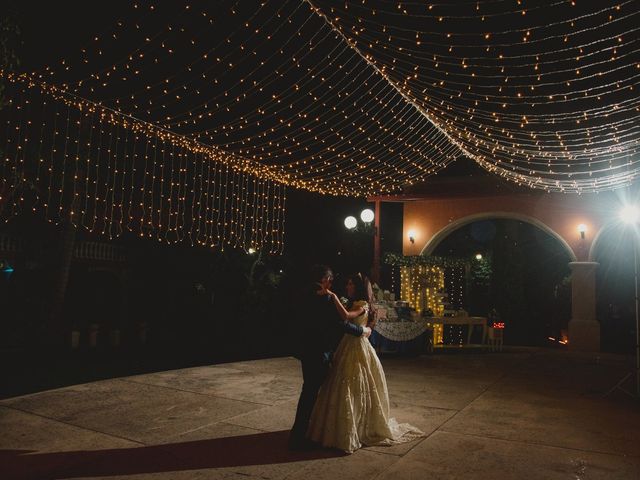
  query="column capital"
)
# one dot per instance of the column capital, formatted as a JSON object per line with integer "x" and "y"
{"x": 583, "y": 266}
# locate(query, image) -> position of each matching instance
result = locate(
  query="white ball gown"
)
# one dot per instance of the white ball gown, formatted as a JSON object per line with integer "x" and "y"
{"x": 352, "y": 408}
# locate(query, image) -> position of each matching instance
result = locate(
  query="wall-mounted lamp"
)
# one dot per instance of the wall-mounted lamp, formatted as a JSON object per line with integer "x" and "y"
{"x": 582, "y": 228}
{"x": 412, "y": 236}
{"x": 478, "y": 256}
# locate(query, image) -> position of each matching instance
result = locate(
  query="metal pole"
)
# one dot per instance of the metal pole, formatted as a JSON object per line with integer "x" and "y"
{"x": 635, "y": 266}
{"x": 375, "y": 273}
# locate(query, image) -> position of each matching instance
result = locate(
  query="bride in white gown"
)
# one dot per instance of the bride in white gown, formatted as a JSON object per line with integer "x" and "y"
{"x": 352, "y": 408}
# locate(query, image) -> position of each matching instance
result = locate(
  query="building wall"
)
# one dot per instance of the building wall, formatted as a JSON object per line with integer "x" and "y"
{"x": 558, "y": 214}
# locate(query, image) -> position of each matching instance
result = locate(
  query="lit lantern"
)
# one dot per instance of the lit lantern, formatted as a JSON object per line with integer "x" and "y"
{"x": 350, "y": 222}
{"x": 367, "y": 215}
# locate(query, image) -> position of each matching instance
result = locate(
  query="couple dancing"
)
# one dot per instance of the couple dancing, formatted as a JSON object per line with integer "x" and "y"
{"x": 344, "y": 402}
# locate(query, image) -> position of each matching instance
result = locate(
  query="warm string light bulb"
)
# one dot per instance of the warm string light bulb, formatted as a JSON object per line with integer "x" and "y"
{"x": 420, "y": 286}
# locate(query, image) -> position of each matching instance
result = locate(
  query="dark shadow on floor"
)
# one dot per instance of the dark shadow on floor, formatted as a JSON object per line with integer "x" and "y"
{"x": 258, "y": 449}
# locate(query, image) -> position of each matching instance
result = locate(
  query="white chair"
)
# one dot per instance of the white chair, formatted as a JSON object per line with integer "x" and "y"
{"x": 495, "y": 337}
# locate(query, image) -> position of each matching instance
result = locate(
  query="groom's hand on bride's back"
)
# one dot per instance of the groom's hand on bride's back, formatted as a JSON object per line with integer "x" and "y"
{"x": 366, "y": 332}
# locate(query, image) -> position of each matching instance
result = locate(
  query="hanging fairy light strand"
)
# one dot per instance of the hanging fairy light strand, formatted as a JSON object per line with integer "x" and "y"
{"x": 98, "y": 159}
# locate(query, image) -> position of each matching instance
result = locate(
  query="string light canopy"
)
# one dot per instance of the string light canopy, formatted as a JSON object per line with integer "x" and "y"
{"x": 188, "y": 120}
{"x": 272, "y": 83}
{"x": 542, "y": 94}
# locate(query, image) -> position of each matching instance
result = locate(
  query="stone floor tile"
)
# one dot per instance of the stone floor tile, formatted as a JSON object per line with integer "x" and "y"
{"x": 582, "y": 423}
{"x": 447, "y": 456}
{"x": 262, "y": 388}
{"x": 436, "y": 393}
{"x": 426, "y": 419}
{"x": 32, "y": 446}
{"x": 363, "y": 464}
{"x": 525, "y": 413}
{"x": 229, "y": 382}
{"x": 142, "y": 413}
{"x": 278, "y": 417}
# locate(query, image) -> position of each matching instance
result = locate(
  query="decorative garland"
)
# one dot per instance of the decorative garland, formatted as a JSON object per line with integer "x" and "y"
{"x": 398, "y": 260}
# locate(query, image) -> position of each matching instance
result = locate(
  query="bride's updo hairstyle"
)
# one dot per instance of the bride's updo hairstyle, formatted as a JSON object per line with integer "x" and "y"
{"x": 360, "y": 292}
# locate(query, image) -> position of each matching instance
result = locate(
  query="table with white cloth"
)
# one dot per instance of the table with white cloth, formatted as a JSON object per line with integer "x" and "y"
{"x": 401, "y": 336}
{"x": 462, "y": 320}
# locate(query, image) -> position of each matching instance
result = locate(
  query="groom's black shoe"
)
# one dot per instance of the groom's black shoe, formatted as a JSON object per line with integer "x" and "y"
{"x": 301, "y": 444}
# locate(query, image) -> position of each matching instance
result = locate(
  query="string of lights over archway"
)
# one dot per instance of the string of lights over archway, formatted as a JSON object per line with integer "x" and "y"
{"x": 543, "y": 95}
{"x": 190, "y": 120}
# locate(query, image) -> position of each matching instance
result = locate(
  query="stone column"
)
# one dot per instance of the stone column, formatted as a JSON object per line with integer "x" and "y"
{"x": 584, "y": 329}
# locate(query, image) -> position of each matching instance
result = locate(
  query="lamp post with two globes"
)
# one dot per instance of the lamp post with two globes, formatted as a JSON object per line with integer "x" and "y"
{"x": 367, "y": 216}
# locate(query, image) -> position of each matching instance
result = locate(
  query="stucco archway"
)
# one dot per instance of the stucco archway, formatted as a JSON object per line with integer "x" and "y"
{"x": 442, "y": 206}
{"x": 597, "y": 239}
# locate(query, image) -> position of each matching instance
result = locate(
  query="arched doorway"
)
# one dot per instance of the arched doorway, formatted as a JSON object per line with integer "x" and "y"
{"x": 436, "y": 239}
{"x": 615, "y": 296}
{"x": 523, "y": 273}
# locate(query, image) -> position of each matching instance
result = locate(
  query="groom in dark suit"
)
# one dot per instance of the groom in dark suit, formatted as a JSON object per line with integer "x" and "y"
{"x": 321, "y": 328}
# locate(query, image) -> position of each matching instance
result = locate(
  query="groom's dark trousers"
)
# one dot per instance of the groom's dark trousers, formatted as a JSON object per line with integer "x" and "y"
{"x": 322, "y": 328}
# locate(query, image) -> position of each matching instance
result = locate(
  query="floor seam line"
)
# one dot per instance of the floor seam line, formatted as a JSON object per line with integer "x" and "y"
{"x": 600, "y": 452}
{"x": 195, "y": 393}
{"x": 450, "y": 418}
{"x": 485, "y": 390}
{"x": 403, "y": 404}
{"x": 399, "y": 457}
{"x": 384, "y": 470}
{"x": 74, "y": 425}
